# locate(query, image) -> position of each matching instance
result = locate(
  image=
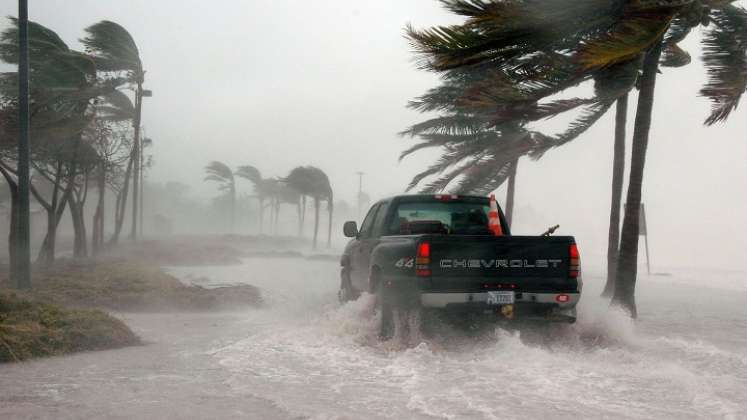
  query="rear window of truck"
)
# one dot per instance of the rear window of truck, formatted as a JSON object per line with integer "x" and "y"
{"x": 449, "y": 217}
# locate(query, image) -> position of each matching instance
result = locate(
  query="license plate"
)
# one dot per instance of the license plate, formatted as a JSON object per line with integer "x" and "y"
{"x": 500, "y": 298}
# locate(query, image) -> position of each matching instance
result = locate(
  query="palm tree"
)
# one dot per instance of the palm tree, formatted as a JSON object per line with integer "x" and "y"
{"x": 530, "y": 36}
{"x": 63, "y": 82}
{"x": 114, "y": 50}
{"x": 482, "y": 128}
{"x": 115, "y": 107}
{"x": 220, "y": 173}
{"x": 313, "y": 182}
{"x": 253, "y": 175}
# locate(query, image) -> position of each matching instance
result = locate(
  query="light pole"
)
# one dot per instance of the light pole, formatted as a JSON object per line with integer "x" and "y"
{"x": 147, "y": 141}
{"x": 140, "y": 93}
{"x": 23, "y": 250}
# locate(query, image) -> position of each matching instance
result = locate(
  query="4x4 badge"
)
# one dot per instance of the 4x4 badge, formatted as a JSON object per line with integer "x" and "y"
{"x": 406, "y": 262}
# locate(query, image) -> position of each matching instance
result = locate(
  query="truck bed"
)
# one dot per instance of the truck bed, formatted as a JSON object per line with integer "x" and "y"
{"x": 461, "y": 263}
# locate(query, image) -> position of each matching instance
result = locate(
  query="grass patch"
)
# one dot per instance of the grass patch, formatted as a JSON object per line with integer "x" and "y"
{"x": 31, "y": 328}
{"x": 125, "y": 285}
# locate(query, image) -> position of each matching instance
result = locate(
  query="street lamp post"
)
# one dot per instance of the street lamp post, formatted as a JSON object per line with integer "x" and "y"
{"x": 23, "y": 251}
{"x": 140, "y": 93}
{"x": 147, "y": 141}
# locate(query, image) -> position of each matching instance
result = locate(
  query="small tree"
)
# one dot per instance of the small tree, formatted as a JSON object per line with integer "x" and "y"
{"x": 313, "y": 182}
{"x": 220, "y": 173}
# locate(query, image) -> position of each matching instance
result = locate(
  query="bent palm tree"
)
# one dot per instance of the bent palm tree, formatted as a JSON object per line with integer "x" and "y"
{"x": 114, "y": 51}
{"x": 253, "y": 175}
{"x": 220, "y": 173}
{"x": 313, "y": 182}
{"x": 529, "y": 36}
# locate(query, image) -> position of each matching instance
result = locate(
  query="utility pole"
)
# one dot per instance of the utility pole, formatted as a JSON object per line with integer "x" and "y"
{"x": 23, "y": 250}
{"x": 360, "y": 192}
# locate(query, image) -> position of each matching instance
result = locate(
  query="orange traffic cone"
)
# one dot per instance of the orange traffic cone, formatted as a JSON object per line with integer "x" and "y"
{"x": 494, "y": 222}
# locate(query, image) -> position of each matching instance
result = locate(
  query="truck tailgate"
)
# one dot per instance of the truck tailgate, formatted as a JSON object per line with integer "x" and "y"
{"x": 521, "y": 263}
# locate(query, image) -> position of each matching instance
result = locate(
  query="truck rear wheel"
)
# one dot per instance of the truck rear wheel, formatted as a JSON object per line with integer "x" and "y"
{"x": 386, "y": 313}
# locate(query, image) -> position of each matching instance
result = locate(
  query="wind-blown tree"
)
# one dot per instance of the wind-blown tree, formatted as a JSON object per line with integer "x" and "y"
{"x": 110, "y": 136}
{"x": 221, "y": 174}
{"x": 87, "y": 160}
{"x": 285, "y": 194}
{"x": 115, "y": 52}
{"x": 265, "y": 189}
{"x": 63, "y": 84}
{"x": 115, "y": 109}
{"x": 483, "y": 130}
{"x": 530, "y": 36}
{"x": 313, "y": 182}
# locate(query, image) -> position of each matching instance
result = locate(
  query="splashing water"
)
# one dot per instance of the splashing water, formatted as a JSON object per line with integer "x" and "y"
{"x": 305, "y": 355}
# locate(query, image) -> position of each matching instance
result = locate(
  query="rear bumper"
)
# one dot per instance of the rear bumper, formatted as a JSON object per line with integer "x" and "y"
{"x": 442, "y": 300}
{"x": 527, "y": 304}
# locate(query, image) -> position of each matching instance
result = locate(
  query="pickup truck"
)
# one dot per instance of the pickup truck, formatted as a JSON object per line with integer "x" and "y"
{"x": 437, "y": 252}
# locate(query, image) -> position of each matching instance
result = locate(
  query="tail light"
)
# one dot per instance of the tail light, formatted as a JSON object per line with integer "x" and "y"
{"x": 574, "y": 263}
{"x": 423, "y": 260}
{"x": 562, "y": 298}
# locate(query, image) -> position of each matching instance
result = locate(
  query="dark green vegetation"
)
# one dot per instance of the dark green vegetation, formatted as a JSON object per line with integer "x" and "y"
{"x": 63, "y": 313}
{"x": 29, "y": 328}
{"x": 506, "y": 66}
{"x": 84, "y": 129}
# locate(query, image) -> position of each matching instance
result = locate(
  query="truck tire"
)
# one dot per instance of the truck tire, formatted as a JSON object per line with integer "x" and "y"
{"x": 386, "y": 313}
{"x": 347, "y": 292}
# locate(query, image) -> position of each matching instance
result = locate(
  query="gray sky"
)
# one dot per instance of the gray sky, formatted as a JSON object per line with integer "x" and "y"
{"x": 282, "y": 83}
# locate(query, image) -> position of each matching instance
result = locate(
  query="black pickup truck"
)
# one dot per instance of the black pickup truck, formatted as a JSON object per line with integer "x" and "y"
{"x": 437, "y": 252}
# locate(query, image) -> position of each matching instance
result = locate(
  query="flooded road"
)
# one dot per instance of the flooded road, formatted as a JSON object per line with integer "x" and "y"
{"x": 305, "y": 356}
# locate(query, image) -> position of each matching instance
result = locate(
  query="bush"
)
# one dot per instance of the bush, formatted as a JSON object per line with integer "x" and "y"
{"x": 33, "y": 329}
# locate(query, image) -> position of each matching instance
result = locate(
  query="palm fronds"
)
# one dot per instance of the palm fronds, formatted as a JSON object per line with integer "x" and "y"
{"x": 113, "y": 48}
{"x": 626, "y": 39}
{"x": 219, "y": 172}
{"x": 250, "y": 173}
{"x": 725, "y": 60}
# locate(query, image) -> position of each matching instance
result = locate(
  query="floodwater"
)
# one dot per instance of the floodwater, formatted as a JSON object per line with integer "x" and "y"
{"x": 305, "y": 356}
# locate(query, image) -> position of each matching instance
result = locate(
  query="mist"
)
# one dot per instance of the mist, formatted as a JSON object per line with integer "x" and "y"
{"x": 235, "y": 307}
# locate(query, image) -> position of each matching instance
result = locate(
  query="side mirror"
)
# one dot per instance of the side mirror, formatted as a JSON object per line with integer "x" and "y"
{"x": 350, "y": 229}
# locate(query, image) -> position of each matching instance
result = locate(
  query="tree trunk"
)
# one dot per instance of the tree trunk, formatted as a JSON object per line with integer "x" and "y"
{"x": 80, "y": 241}
{"x": 261, "y": 214}
{"x": 54, "y": 213}
{"x": 330, "y": 209}
{"x": 97, "y": 238}
{"x": 618, "y": 173}
{"x": 232, "y": 209}
{"x": 136, "y": 159}
{"x": 122, "y": 205}
{"x": 12, "y": 234}
{"x": 316, "y": 220}
{"x": 510, "y": 191}
{"x": 627, "y": 266}
{"x": 277, "y": 215}
{"x": 302, "y": 218}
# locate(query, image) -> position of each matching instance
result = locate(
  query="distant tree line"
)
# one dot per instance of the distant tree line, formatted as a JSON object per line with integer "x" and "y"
{"x": 301, "y": 183}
